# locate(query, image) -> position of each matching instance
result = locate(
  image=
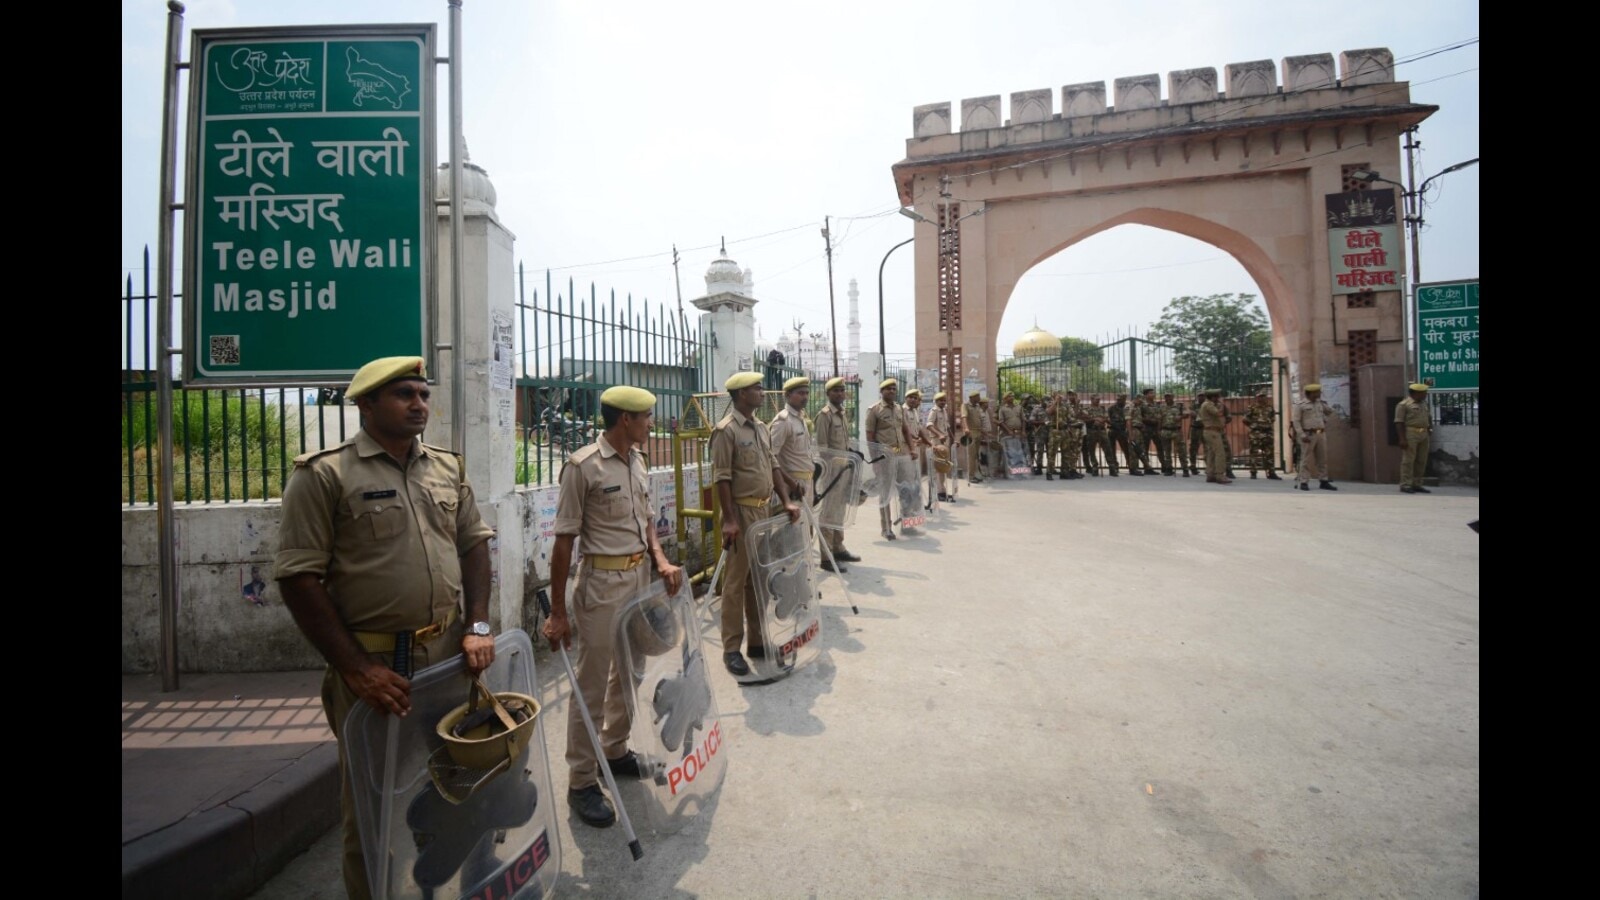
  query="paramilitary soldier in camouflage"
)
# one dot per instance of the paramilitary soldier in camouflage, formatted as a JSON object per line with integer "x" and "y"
{"x": 1038, "y": 434}
{"x": 1258, "y": 418}
{"x": 1150, "y": 409}
{"x": 1096, "y": 422}
{"x": 1065, "y": 438}
{"x": 1172, "y": 433}
{"x": 1134, "y": 442}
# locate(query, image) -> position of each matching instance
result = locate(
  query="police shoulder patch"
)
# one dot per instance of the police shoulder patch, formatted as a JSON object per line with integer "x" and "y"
{"x": 306, "y": 458}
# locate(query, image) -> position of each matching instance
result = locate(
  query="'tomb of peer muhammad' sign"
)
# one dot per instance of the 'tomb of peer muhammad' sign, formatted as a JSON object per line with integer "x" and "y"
{"x": 308, "y": 239}
{"x": 1447, "y": 334}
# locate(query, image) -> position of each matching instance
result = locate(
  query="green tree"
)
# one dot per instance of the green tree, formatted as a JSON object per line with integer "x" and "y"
{"x": 1223, "y": 340}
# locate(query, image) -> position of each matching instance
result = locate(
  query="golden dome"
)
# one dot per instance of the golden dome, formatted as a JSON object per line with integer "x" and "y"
{"x": 1036, "y": 342}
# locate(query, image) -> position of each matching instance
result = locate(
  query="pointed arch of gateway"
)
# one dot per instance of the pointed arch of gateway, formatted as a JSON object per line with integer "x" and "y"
{"x": 1252, "y": 170}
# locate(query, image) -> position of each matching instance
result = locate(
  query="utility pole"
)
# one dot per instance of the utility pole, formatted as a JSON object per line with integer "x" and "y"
{"x": 952, "y": 365}
{"x": 833, "y": 315}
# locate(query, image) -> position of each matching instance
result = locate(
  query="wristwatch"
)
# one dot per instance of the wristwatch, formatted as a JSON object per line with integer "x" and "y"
{"x": 481, "y": 629}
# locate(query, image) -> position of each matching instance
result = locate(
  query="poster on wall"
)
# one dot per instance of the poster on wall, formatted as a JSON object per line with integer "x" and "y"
{"x": 1364, "y": 243}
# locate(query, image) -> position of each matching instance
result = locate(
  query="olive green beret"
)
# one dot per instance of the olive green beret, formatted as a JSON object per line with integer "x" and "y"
{"x": 741, "y": 380}
{"x": 1419, "y": 386}
{"x": 833, "y": 383}
{"x": 380, "y": 372}
{"x": 888, "y": 383}
{"x": 628, "y": 399}
{"x": 1313, "y": 388}
{"x": 799, "y": 381}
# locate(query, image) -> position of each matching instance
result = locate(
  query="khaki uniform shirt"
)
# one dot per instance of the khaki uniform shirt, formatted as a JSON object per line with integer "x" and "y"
{"x": 1011, "y": 419}
{"x": 833, "y": 431}
{"x": 1211, "y": 415}
{"x": 939, "y": 425}
{"x": 914, "y": 427}
{"x": 605, "y": 500}
{"x": 385, "y": 539}
{"x": 1411, "y": 414}
{"x": 1310, "y": 416}
{"x": 741, "y": 453}
{"x": 885, "y": 425}
{"x": 791, "y": 442}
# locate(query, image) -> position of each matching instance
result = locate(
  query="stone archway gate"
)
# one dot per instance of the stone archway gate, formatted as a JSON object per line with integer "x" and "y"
{"x": 1246, "y": 169}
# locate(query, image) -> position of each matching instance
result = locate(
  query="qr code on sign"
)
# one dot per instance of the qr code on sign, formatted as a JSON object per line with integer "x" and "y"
{"x": 225, "y": 350}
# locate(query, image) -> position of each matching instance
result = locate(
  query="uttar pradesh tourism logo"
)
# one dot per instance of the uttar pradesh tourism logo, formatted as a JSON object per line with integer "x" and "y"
{"x": 374, "y": 82}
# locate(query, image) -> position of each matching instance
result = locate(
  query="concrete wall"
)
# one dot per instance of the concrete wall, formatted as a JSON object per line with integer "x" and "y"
{"x": 219, "y": 630}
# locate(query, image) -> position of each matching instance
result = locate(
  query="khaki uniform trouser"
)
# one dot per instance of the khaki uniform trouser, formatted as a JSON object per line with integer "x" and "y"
{"x": 830, "y": 513}
{"x": 972, "y": 460}
{"x": 738, "y": 589}
{"x": 1414, "y": 456}
{"x": 1313, "y": 457}
{"x": 337, "y": 701}
{"x": 1216, "y": 455}
{"x": 597, "y": 596}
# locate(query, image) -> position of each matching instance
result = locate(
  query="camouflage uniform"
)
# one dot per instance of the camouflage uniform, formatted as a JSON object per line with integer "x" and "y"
{"x": 1138, "y": 459}
{"x": 1117, "y": 434}
{"x": 1151, "y": 410}
{"x": 1258, "y": 418}
{"x": 1172, "y": 435}
{"x": 1038, "y": 434}
{"x": 1097, "y": 419}
{"x": 1196, "y": 437}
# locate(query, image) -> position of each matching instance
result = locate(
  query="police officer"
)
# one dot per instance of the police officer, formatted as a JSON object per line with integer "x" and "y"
{"x": 1413, "y": 421}
{"x": 1258, "y": 420}
{"x": 381, "y": 536}
{"x": 746, "y": 477}
{"x": 921, "y": 443}
{"x": 833, "y": 433}
{"x": 991, "y": 439}
{"x": 939, "y": 437}
{"x": 1011, "y": 424}
{"x": 1196, "y": 433}
{"x": 1211, "y": 419}
{"x": 605, "y": 503}
{"x": 886, "y": 427}
{"x": 973, "y": 416}
{"x": 1309, "y": 427}
{"x": 791, "y": 439}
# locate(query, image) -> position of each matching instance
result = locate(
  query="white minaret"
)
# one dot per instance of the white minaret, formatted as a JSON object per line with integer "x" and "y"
{"x": 729, "y": 314}
{"x": 854, "y": 328}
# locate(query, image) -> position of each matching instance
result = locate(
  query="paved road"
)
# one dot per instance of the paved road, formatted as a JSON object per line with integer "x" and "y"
{"x": 1109, "y": 688}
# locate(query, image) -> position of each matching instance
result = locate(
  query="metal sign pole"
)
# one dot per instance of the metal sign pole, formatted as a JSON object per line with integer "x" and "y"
{"x": 458, "y": 369}
{"x": 165, "y": 520}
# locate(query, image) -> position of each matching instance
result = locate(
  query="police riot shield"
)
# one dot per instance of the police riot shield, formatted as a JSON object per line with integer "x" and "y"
{"x": 675, "y": 731}
{"x": 899, "y": 484}
{"x": 454, "y": 831}
{"x": 839, "y": 488}
{"x": 1018, "y": 465}
{"x": 787, "y": 601}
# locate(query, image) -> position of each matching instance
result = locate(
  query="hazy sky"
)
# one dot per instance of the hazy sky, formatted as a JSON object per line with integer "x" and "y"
{"x": 613, "y": 130}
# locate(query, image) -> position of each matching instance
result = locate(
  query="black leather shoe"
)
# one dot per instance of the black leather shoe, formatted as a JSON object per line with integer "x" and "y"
{"x": 1304, "y": 486}
{"x": 1420, "y": 490}
{"x": 1328, "y": 486}
{"x": 828, "y": 566}
{"x": 756, "y": 651}
{"x": 736, "y": 664}
{"x": 1136, "y": 472}
{"x": 889, "y": 534}
{"x": 592, "y": 806}
{"x": 1050, "y": 476}
{"x": 1273, "y": 476}
{"x": 846, "y": 556}
{"x": 1252, "y": 474}
{"x": 625, "y": 766}
{"x": 1186, "y": 473}
{"x": 1407, "y": 489}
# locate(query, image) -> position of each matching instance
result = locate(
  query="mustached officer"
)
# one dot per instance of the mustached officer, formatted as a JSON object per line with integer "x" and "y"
{"x": 605, "y": 503}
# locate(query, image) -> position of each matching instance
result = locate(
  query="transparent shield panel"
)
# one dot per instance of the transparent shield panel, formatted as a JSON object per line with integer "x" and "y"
{"x": 674, "y": 727}
{"x": 456, "y": 832}
{"x": 840, "y": 488}
{"x": 1018, "y": 465}
{"x": 786, "y": 592}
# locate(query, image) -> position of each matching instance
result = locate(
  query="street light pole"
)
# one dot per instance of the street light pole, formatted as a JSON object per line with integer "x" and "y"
{"x": 882, "y": 356}
{"x": 1412, "y": 198}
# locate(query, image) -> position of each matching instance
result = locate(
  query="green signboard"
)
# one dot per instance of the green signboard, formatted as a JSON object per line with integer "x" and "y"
{"x": 1447, "y": 334}
{"x": 309, "y": 235}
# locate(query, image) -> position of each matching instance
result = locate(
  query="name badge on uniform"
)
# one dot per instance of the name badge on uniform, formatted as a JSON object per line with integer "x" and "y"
{"x": 379, "y": 495}
{"x": 746, "y": 443}
{"x": 612, "y": 490}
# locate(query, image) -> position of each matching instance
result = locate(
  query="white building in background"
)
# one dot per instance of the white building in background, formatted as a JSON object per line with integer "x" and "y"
{"x": 728, "y": 322}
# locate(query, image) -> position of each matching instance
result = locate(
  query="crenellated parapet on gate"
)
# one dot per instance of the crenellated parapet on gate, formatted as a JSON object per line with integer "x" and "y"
{"x": 1196, "y": 100}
